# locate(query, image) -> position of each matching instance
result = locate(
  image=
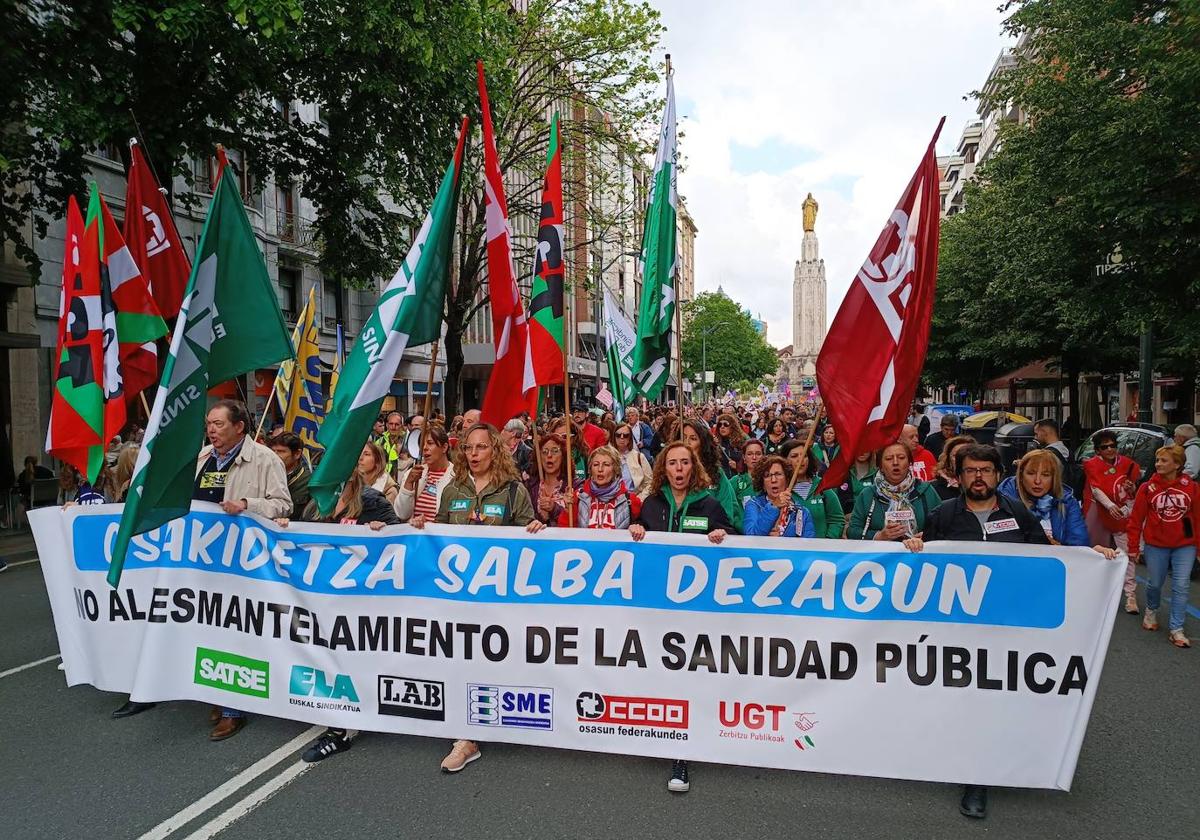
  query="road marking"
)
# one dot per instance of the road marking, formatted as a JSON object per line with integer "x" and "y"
{"x": 28, "y": 665}
{"x": 214, "y": 797}
{"x": 12, "y": 564}
{"x": 251, "y": 801}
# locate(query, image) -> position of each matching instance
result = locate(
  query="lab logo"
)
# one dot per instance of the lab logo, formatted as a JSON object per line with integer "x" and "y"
{"x": 510, "y": 706}
{"x": 413, "y": 698}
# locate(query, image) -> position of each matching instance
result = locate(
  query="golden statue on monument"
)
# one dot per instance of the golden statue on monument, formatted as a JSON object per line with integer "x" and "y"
{"x": 810, "y": 213}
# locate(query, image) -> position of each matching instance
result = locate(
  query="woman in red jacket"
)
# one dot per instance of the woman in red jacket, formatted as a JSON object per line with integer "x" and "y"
{"x": 1166, "y": 512}
{"x": 604, "y": 501}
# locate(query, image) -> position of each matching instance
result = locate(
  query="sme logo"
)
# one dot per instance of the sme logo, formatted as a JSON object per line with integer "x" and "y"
{"x": 511, "y": 706}
{"x": 657, "y": 712}
{"x": 231, "y": 672}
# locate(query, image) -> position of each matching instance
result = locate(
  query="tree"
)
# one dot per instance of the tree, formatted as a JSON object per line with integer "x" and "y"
{"x": 593, "y": 62}
{"x": 389, "y": 77}
{"x": 1105, "y": 158}
{"x": 721, "y": 334}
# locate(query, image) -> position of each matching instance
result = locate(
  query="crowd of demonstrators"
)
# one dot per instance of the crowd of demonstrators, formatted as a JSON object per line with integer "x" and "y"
{"x": 710, "y": 471}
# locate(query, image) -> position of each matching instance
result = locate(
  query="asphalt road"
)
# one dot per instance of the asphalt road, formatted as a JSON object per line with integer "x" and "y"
{"x": 67, "y": 770}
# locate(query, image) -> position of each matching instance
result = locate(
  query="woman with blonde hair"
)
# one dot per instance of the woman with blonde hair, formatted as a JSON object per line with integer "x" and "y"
{"x": 636, "y": 469}
{"x": 1039, "y": 486}
{"x": 604, "y": 501}
{"x": 372, "y": 463}
{"x": 486, "y": 490}
{"x": 1166, "y": 513}
{"x": 122, "y": 471}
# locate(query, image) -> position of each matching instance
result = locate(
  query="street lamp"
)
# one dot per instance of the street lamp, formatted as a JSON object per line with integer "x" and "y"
{"x": 704, "y": 334}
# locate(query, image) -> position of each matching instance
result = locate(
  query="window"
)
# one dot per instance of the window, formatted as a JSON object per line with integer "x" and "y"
{"x": 285, "y": 213}
{"x": 206, "y": 175}
{"x": 289, "y": 290}
{"x": 331, "y": 304}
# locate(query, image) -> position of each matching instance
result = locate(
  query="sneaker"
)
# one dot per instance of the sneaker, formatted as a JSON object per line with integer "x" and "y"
{"x": 3, "y": 565}
{"x": 1150, "y": 620}
{"x": 1179, "y": 640}
{"x": 461, "y": 754}
{"x": 331, "y": 741}
{"x": 974, "y": 802}
{"x": 678, "y": 783}
{"x": 1131, "y": 605}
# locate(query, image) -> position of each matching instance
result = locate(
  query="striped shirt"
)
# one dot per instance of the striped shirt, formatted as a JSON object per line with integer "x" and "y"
{"x": 426, "y": 502}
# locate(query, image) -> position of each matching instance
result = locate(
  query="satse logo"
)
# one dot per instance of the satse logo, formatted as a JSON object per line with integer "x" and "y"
{"x": 409, "y": 697}
{"x": 230, "y": 672}
{"x": 512, "y": 706}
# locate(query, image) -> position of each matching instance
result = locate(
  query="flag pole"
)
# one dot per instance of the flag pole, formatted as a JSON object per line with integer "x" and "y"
{"x": 567, "y": 407}
{"x": 812, "y": 433}
{"x": 433, "y": 356}
{"x": 678, "y": 321}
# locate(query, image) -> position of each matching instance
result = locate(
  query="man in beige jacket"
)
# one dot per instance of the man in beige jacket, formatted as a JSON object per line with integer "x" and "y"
{"x": 240, "y": 475}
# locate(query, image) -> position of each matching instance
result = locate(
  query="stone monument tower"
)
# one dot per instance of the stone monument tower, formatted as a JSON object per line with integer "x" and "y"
{"x": 808, "y": 298}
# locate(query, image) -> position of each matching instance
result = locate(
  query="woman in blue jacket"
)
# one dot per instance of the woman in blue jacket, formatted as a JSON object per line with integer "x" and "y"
{"x": 764, "y": 510}
{"x": 1039, "y": 486}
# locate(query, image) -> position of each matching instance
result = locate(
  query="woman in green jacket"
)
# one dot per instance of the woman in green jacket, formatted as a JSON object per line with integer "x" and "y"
{"x": 895, "y": 505}
{"x": 700, "y": 439}
{"x": 829, "y": 520}
{"x": 753, "y": 452}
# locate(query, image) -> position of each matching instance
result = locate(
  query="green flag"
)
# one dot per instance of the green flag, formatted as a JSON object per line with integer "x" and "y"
{"x": 409, "y": 313}
{"x": 229, "y": 324}
{"x": 656, "y": 314}
{"x": 620, "y": 341}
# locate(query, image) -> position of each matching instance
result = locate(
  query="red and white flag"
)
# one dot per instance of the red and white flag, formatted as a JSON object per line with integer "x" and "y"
{"x": 871, "y": 360}
{"x": 151, "y": 236}
{"x": 512, "y": 387}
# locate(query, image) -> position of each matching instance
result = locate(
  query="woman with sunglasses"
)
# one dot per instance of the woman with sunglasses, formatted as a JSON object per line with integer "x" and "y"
{"x": 636, "y": 469}
{"x": 486, "y": 490}
{"x": 729, "y": 438}
{"x": 774, "y": 512}
{"x": 1110, "y": 484}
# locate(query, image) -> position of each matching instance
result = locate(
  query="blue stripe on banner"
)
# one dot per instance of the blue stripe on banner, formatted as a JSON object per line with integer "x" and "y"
{"x": 1009, "y": 590}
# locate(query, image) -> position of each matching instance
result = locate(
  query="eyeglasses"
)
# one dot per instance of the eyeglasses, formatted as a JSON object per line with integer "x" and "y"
{"x": 774, "y": 475}
{"x": 982, "y": 472}
{"x": 478, "y": 447}
{"x": 623, "y": 434}
{"x": 1105, "y": 446}
{"x": 724, "y": 424}
{"x": 551, "y": 450}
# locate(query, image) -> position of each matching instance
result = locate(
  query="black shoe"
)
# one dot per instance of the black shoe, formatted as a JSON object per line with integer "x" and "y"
{"x": 678, "y": 782}
{"x": 3, "y": 565}
{"x": 131, "y": 708}
{"x": 974, "y": 802}
{"x": 331, "y": 741}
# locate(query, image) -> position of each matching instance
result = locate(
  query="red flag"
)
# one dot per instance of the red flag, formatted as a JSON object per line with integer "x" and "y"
{"x": 152, "y": 238}
{"x": 871, "y": 360}
{"x": 77, "y": 403}
{"x": 511, "y": 388}
{"x": 546, "y": 304}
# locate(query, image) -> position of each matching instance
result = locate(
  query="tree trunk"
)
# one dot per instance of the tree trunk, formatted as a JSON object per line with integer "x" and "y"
{"x": 452, "y": 386}
{"x": 1074, "y": 424}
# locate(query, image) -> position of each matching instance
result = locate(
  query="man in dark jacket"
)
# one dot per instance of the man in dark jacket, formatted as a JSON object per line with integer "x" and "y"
{"x": 979, "y": 514}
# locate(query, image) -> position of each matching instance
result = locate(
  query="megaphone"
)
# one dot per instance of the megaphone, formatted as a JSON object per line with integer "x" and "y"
{"x": 412, "y": 444}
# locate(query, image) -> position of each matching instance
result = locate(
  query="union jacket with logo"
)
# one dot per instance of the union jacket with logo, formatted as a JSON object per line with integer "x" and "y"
{"x": 1010, "y": 522}
{"x": 1165, "y": 513}
{"x": 700, "y": 513}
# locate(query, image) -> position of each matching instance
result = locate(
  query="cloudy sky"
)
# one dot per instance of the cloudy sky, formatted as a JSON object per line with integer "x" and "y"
{"x": 778, "y": 98}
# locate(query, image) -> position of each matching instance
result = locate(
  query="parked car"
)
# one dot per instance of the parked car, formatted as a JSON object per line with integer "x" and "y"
{"x": 1138, "y": 441}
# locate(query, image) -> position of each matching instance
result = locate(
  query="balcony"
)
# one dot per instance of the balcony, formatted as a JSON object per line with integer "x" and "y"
{"x": 295, "y": 231}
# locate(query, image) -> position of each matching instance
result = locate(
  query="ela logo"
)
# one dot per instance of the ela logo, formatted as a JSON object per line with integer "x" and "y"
{"x": 313, "y": 682}
{"x": 230, "y": 672}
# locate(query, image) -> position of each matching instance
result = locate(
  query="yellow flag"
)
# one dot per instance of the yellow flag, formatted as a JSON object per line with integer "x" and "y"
{"x": 305, "y": 404}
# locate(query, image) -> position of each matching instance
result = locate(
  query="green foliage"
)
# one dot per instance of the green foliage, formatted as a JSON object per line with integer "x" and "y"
{"x": 1107, "y": 159}
{"x": 390, "y": 78}
{"x": 733, "y": 349}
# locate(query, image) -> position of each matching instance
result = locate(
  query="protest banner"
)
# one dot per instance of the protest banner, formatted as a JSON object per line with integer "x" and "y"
{"x": 970, "y": 662}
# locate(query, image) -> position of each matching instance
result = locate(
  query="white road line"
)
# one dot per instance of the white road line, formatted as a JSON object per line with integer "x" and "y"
{"x": 12, "y": 564}
{"x": 179, "y": 820}
{"x": 251, "y": 801}
{"x": 28, "y": 665}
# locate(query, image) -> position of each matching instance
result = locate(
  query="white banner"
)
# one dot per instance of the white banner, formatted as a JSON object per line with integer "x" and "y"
{"x": 971, "y": 662}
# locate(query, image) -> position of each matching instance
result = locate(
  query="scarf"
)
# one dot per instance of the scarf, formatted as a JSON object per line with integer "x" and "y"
{"x": 1042, "y": 507}
{"x": 896, "y": 495}
{"x": 607, "y": 496}
{"x": 604, "y": 493}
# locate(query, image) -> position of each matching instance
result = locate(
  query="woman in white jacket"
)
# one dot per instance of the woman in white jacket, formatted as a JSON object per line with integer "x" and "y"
{"x": 422, "y": 484}
{"x": 636, "y": 469}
